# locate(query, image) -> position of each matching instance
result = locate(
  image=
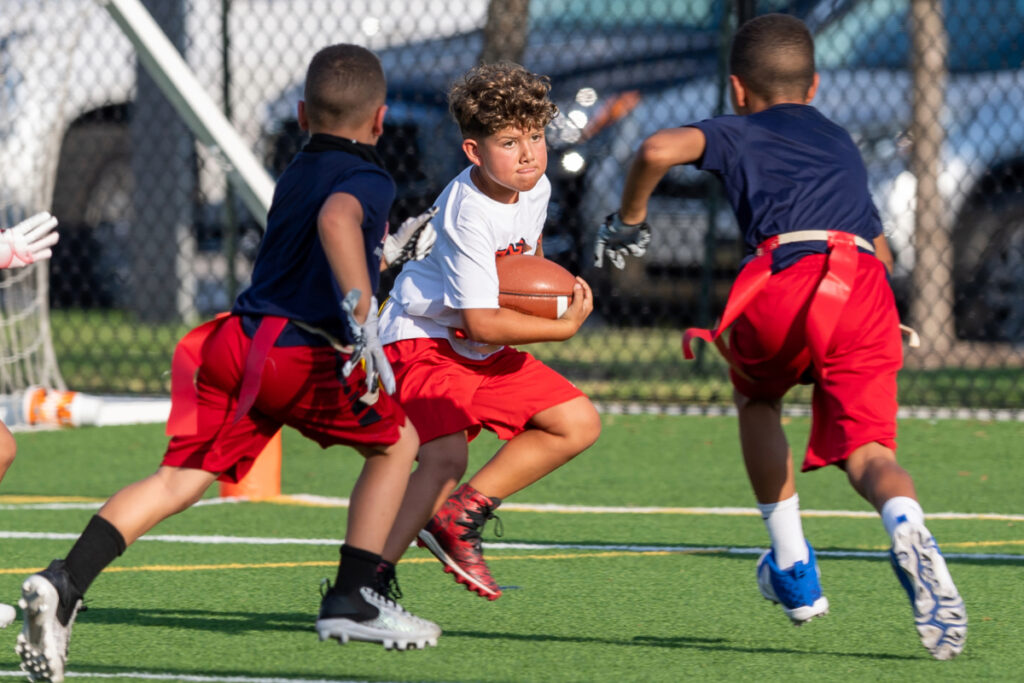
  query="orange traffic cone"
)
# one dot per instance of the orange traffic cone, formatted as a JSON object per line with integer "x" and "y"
{"x": 263, "y": 481}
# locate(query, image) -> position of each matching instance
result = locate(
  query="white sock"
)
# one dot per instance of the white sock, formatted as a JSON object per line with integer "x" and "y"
{"x": 901, "y": 509}
{"x": 782, "y": 520}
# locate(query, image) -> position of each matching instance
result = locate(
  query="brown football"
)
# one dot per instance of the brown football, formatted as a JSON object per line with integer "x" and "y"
{"x": 534, "y": 285}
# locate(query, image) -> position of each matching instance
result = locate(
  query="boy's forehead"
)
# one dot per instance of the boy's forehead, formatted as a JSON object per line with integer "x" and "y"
{"x": 515, "y": 132}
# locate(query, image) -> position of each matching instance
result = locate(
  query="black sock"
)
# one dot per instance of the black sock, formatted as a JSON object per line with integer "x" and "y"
{"x": 99, "y": 545}
{"x": 357, "y": 568}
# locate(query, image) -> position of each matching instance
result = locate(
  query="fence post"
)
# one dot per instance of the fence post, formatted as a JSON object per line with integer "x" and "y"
{"x": 932, "y": 303}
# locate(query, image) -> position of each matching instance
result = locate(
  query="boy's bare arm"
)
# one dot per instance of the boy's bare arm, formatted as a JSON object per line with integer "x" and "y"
{"x": 883, "y": 252}
{"x": 340, "y": 228}
{"x": 339, "y": 225}
{"x": 658, "y": 153}
{"x": 501, "y": 326}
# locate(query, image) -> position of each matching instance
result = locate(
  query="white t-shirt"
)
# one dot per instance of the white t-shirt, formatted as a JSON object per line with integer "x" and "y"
{"x": 460, "y": 272}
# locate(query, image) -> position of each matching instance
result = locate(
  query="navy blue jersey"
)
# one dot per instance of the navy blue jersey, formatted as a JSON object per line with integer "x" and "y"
{"x": 291, "y": 277}
{"x": 789, "y": 168}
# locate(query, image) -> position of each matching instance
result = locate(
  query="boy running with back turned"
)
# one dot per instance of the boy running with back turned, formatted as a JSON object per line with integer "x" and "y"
{"x": 812, "y": 304}
{"x": 451, "y": 345}
{"x": 288, "y": 354}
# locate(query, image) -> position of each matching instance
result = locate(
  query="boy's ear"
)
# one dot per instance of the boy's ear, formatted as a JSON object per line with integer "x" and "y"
{"x": 813, "y": 90}
{"x": 378, "y": 120}
{"x": 302, "y": 117}
{"x": 472, "y": 151}
{"x": 738, "y": 92}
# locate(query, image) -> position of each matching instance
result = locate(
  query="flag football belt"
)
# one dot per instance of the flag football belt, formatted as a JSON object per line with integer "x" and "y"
{"x": 184, "y": 417}
{"x": 183, "y": 420}
{"x": 826, "y": 303}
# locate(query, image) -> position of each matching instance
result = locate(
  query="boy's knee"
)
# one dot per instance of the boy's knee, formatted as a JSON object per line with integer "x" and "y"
{"x": 588, "y": 427}
{"x": 870, "y": 455}
{"x": 743, "y": 402}
{"x": 580, "y": 429}
{"x": 445, "y": 457}
{"x": 181, "y": 488}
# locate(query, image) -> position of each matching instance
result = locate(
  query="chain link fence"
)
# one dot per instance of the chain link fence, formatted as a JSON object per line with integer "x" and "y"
{"x": 155, "y": 238}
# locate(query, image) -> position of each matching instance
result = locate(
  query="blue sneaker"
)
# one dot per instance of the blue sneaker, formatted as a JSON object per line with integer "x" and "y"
{"x": 797, "y": 589}
{"x": 939, "y": 612}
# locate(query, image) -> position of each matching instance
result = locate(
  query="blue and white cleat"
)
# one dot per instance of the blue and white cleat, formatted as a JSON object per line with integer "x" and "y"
{"x": 797, "y": 589}
{"x": 939, "y": 612}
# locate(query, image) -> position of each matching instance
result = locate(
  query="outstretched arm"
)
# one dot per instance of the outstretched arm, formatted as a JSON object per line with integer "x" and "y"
{"x": 658, "y": 153}
{"x": 625, "y": 232}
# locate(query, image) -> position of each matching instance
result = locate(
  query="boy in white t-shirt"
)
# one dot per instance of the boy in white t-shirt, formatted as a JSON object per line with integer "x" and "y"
{"x": 449, "y": 342}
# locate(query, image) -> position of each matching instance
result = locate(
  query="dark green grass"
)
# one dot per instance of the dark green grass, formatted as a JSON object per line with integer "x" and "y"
{"x": 570, "y": 615}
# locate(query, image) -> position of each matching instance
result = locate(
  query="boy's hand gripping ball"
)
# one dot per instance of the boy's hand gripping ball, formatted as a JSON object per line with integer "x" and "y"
{"x": 534, "y": 285}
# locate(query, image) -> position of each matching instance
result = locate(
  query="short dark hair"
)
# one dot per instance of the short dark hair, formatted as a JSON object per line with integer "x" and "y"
{"x": 495, "y": 96}
{"x": 344, "y": 85}
{"x": 773, "y": 55}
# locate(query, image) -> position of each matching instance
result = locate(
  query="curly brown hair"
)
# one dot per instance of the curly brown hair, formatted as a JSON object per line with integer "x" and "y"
{"x": 495, "y": 96}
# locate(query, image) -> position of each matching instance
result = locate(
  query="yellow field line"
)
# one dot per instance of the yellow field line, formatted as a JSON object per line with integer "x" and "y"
{"x": 324, "y": 563}
{"x": 981, "y": 544}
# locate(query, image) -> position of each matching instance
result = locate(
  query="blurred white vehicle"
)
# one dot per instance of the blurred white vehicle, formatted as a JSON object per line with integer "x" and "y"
{"x": 862, "y": 49}
{"x": 76, "y": 139}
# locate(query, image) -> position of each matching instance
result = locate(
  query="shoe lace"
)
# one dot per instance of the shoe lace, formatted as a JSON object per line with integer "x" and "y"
{"x": 477, "y": 519}
{"x": 386, "y": 601}
{"x": 325, "y": 591}
{"x": 388, "y": 587}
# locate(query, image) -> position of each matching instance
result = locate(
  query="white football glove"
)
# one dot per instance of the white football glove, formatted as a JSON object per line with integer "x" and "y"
{"x": 412, "y": 241}
{"x": 28, "y": 241}
{"x": 616, "y": 240}
{"x": 367, "y": 348}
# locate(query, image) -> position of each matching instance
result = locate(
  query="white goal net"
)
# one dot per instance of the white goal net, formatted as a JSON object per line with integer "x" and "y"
{"x": 26, "y": 347}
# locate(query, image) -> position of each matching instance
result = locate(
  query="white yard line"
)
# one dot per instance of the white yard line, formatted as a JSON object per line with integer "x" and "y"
{"x": 555, "y": 508}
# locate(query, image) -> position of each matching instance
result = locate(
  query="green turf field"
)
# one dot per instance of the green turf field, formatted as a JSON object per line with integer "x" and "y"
{"x": 610, "y": 592}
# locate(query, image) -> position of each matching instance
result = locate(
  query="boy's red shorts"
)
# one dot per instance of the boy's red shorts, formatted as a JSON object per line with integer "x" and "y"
{"x": 855, "y": 403}
{"x": 444, "y": 392}
{"x": 300, "y": 388}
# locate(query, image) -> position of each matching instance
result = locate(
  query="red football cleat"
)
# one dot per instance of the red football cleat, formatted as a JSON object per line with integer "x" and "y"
{"x": 453, "y": 536}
